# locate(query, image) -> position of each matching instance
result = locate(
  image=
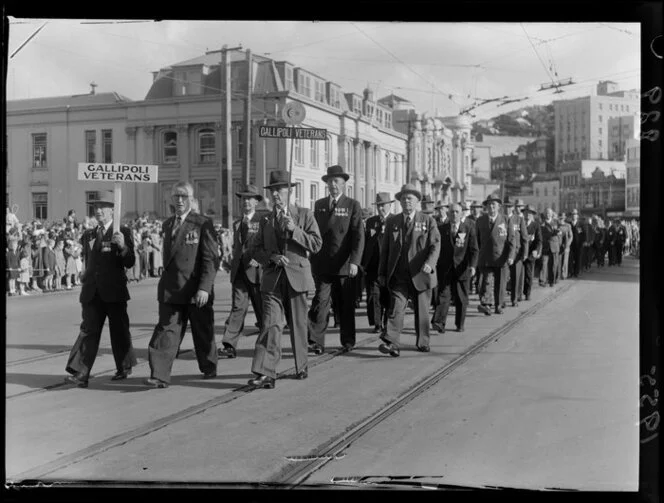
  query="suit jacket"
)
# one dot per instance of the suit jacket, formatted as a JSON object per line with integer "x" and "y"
{"x": 343, "y": 236}
{"x": 373, "y": 245}
{"x": 105, "y": 270}
{"x": 496, "y": 242}
{"x": 518, "y": 223}
{"x": 534, "y": 240}
{"x": 190, "y": 260}
{"x": 48, "y": 260}
{"x": 550, "y": 238}
{"x": 241, "y": 257}
{"x": 600, "y": 236}
{"x": 458, "y": 252}
{"x": 621, "y": 234}
{"x": 422, "y": 244}
{"x": 270, "y": 241}
{"x": 579, "y": 233}
{"x": 566, "y": 235}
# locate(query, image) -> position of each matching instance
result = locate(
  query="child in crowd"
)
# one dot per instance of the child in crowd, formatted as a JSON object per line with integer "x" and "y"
{"x": 49, "y": 265}
{"x": 25, "y": 264}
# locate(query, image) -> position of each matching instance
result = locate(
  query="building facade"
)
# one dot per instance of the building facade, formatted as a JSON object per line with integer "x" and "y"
{"x": 633, "y": 179}
{"x": 582, "y": 124}
{"x": 622, "y": 129}
{"x": 544, "y": 192}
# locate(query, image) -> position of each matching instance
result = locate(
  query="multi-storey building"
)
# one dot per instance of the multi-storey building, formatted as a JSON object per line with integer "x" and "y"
{"x": 622, "y": 129}
{"x": 582, "y": 124}
{"x": 536, "y": 156}
{"x": 543, "y": 192}
{"x": 602, "y": 195}
{"x": 575, "y": 177}
{"x": 633, "y": 179}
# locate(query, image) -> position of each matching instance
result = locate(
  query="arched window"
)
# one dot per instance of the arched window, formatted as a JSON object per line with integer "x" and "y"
{"x": 207, "y": 140}
{"x": 170, "y": 144}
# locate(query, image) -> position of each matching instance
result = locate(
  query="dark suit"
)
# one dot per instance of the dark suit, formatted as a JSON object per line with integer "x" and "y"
{"x": 621, "y": 237}
{"x": 496, "y": 243}
{"x": 576, "y": 250}
{"x": 518, "y": 224}
{"x": 405, "y": 252}
{"x": 245, "y": 279}
{"x": 378, "y": 298}
{"x": 550, "y": 253}
{"x": 534, "y": 244}
{"x": 458, "y": 253}
{"x": 343, "y": 243}
{"x": 103, "y": 294}
{"x": 284, "y": 289}
{"x": 191, "y": 260}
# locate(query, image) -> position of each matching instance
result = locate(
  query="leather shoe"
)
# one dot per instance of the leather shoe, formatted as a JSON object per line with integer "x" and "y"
{"x": 460, "y": 329}
{"x": 302, "y": 374}
{"x": 210, "y": 375}
{"x": 347, "y": 347}
{"x": 527, "y": 297}
{"x": 262, "y": 381}
{"x": 499, "y": 310}
{"x": 226, "y": 352}
{"x": 121, "y": 374}
{"x": 315, "y": 349}
{"x": 438, "y": 328}
{"x": 515, "y": 304}
{"x": 484, "y": 309}
{"x": 389, "y": 349}
{"x": 423, "y": 349}
{"x": 156, "y": 383}
{"x": 77, "y": 380}
{"x": 377, "y": 329}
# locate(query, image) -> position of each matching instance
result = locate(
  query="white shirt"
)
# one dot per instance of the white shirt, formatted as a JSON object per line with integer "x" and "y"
{"x": 335, "y": 199}
{"x": 106, "y": 226}
{"x": 249, "y": 216}
{"x": 183, "y": 217}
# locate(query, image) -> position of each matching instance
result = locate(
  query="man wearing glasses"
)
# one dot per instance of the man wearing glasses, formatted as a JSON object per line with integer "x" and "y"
{"x": 186, "y": 290}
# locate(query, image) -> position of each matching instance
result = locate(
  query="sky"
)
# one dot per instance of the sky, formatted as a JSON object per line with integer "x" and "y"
{"x": 442, "y": 68}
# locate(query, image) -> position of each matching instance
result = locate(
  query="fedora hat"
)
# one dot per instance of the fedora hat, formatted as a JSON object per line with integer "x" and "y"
{"x": 530, "y": 208}
{"x": 519, "y": 202}
{"x": 508, "y": 201}
{"x": 278, "y": 178}
{"x": 491, "y": 198}
{"x": 408, "y": 188}
{"x": 383, "y": 198}
{"x": 475, "y": 204}
{"x": 441, "y": 204}
{"x": 250, "y": 190}
{"x": 335, "y": 170}
{"x": 105, "y": 198}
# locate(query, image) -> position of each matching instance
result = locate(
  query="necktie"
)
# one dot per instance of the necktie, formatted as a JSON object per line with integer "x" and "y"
{"x": 407, "y": 223}
{"x": 100, "y": 236}
{"x": 333, "y": 206}
{"x": 176, "y": 226}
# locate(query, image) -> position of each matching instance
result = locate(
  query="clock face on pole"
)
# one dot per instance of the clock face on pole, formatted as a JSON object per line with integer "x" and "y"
{"x": 293, "y": 113}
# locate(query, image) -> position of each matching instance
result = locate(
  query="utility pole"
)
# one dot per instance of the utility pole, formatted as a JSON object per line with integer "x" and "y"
{"x": 226, "y": 112}
{"x": 247, "y": 120}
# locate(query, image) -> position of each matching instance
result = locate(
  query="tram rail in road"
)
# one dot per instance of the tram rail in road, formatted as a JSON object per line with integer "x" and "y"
{"x": 297, "y": 472}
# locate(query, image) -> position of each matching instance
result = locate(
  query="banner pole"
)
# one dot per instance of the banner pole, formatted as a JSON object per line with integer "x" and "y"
{"x": 117, "y": 208}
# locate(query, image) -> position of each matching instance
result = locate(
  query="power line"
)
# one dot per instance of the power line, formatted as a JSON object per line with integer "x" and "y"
{"x": 537, "y": 53}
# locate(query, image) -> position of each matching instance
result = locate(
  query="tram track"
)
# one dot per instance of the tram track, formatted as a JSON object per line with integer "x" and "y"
{"x": 302, "y": 467}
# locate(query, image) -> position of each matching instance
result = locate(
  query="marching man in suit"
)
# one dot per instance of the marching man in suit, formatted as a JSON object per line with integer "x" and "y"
{"x": 411, "y": 246}
{"x": 245, "y": 272}
{"x": 103, "y": 294}
{"x": 339, "y": 219}
{"x": 533, "y": 249}
{"x": 456, "y": 265}
{"x": 282, "y": 246}
{"x": 378, "y": 297}
{"x": 186, "y": 290}
{"x": 497, "y": 252}
{"x": 518, "y": 224}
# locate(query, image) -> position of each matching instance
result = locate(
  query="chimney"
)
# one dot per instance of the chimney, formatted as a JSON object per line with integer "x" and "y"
{"x": 92, "y": 87}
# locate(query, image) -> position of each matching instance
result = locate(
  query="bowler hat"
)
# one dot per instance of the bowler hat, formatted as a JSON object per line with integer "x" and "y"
{"x": 335, "y": 170}
{"x": 250, "y": 190}
{"x": 278, "y": 178}
{"x": 530, "y": 208}
{"x": 383, "y": 198}
{"x": 408, "y": 188}
{"x": 105, "y": 198}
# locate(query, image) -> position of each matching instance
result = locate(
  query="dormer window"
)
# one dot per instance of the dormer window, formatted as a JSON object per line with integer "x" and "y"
{"x": 357, "y": 105}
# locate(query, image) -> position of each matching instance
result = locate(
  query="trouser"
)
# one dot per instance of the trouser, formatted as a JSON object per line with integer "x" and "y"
{"x": 599, "y": 254}
{"x": 452, "y": 289}
{"x": 402, "y": 289}
{"x": 548, "y": 274}
{"x": 577, "y": 257}
{"x": 528, "y": 275}
{"x": 378, "y": 302}
{"x": 588, "y": 252}
{"x": 564, "y": 271}
{"x": 84, "y": 352}
{"x": 618, "y": 253}
{"x": 492, "y": 288}
{"x": 243, "y": 292}
{"x": 168, "y": 333}
{"x": 342, "y": 288}
{"x": 516, "y": 281}
{"x": 279, "y": 305}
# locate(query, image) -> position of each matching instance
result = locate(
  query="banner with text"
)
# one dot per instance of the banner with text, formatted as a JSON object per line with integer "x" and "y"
{"x": 118, "y": 172}
{"x": 292, "y": 132}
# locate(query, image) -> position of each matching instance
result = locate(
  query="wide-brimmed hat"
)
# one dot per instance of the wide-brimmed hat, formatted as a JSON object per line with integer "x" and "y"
{"x": 408, "y": 188}
{"x": 476, "y": 204}
{"x": 383, "y": 198}
{"x": 335, "y": 170}
{"x": 442, "y": 204}
{"x": 519, "y": 202}
{"x": 491, "y": 198}
{"x": 508, "y": 201}
{"x": 104, "y": 198}
{"x": 530, "y": 208}
{"x": 278, "y": 178}
{"x": 250, "y": 190}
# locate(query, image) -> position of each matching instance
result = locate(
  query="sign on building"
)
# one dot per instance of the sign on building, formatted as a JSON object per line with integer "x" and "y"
{"x": 292, "y": 133}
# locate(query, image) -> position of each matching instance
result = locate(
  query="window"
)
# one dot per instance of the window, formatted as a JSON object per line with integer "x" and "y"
{"x": 107, "y": 145}
{"x": 369, "y": 110}
{"x": 334, "y": 97}
{"x": 297, "y": 148}
{"x": 313, "y": 194}
{"x": 289, "y": 78}
{"x": 313, "y": 153}
{"x": 379, "y": 115}
{"x": 546, "y": 192}
{"x": 610, "y": 106}
{"x": 357, "y": 105}
{"x": 239, "y": 142}
{"x": 206, "y": 145}
{"x": 90, "y": 146}
{"x": 304, "y": 84}
{"x": 600, "y": 130}
{"x": 90, "y": 201}
{"x": 537, "y": 192}
{"x": 40, "y": 205}
{"x": 327, "y": 147}
{"x": 39, "y": 150}
{"x": 320, "y": 91}
{"x": 170, "y": 147}
{"x": 600, "y": 118}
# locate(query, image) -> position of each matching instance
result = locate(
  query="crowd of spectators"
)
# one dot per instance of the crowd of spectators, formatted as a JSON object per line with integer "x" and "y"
{"x": 46, "y": 256}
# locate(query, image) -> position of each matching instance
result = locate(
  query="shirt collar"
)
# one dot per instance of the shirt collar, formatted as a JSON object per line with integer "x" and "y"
{"x": 335, "y": 198}
{"x": 183, "y": 217}
{"x": 249, "y": 216}
{"x": 107, "y": 225}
